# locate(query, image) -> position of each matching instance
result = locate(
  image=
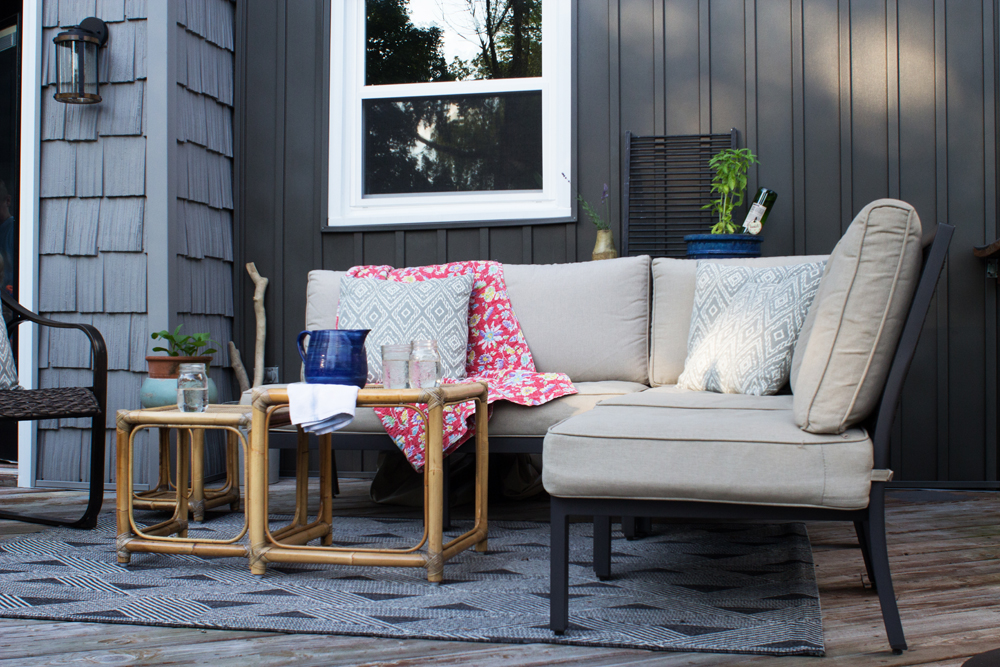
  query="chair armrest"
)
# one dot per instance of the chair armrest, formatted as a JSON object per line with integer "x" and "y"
{"x": 97, "y": 344}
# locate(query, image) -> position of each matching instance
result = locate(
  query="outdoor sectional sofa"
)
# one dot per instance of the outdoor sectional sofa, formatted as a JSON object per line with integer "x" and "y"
{"x": 631, "y": 443}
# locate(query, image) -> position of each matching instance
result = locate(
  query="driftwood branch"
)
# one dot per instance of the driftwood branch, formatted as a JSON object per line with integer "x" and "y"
{"x": 260, "y": 285}
{"x": 237, "y": 363}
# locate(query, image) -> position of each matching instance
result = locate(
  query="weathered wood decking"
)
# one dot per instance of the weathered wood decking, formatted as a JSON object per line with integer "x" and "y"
{"x": 944, "y": 549}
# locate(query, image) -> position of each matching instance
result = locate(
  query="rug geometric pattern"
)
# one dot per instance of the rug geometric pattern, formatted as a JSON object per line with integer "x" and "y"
{"x": 743, "y": 588}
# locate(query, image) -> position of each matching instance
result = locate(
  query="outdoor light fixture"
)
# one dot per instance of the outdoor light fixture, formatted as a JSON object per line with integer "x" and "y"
{"x": 76, "y": 61}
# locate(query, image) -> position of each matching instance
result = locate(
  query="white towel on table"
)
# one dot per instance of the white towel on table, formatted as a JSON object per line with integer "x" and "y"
{"x": 321, "y": 408}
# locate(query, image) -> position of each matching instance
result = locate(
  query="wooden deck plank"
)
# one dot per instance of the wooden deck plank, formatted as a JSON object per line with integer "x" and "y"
{"x": 944, "y": 553}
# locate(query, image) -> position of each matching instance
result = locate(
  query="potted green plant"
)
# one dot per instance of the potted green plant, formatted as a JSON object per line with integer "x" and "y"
{"x": 160, "y": 388}
{"x": 729, "y": 182}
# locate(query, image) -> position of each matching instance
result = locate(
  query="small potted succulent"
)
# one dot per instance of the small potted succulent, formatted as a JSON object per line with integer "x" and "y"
{"x": 729, "y": 183}
{"x": 160, "y": 388}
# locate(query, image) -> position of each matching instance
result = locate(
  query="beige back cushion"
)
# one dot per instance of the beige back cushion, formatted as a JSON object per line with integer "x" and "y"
{"x": 322, "y": 298}
{"x": 846, "y": 346}
{"x": 589, "y": 320}
{"x": 673, "y": 301}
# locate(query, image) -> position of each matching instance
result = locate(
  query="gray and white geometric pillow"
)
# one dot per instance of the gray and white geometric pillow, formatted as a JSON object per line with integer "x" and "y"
{"x": 397, "y": 312}
{"x": 744, "y": 326}
{"x": 8, "y": 369}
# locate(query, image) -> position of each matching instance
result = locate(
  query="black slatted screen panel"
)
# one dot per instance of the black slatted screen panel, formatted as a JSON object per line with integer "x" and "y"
{"x": 667, "y": 181}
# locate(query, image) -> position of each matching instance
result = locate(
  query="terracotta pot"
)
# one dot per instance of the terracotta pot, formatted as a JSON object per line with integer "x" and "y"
{"x": 604, "y": 248}
{"x": 163, "y": 366}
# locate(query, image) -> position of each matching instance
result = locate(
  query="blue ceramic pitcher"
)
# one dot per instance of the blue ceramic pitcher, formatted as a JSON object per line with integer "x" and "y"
{"x": 336, "y": 356}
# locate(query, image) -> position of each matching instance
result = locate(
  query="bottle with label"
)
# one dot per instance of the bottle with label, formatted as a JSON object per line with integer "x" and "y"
{"x": 760, "y": 208}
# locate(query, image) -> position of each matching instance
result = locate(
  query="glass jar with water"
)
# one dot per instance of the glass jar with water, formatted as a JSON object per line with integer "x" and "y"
{"x": 192, "y": 388}
{"x": 396, "y": 366}
{"x": 425, "y": 364}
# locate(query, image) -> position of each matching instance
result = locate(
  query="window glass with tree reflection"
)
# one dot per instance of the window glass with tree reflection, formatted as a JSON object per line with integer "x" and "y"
{"x": 453, "y": 143}
{"x": 420, "y": 41}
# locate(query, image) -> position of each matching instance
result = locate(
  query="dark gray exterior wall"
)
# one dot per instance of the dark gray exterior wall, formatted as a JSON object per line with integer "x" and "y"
{"x": 843, "y": 101}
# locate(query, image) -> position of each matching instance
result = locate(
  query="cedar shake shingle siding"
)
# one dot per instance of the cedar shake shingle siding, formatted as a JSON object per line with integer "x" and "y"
{"x": 93, "y": 263}
{"x": 204, "y": 213}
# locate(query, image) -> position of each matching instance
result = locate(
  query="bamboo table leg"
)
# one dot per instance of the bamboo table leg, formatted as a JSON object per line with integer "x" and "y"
{"x": 197, "y": 500}
{"x": 301, "y": 477}
{"x": 482, "y": 468}
{"x": 256, "y": 487}
{"x": 433, "y": 510}
{"x": 183, "y": 467}
{"x": 123, "y": 491}
{"x": 164, "y": 477}
{"x": 233, "y": 468}
{"x": 327, "y": 479}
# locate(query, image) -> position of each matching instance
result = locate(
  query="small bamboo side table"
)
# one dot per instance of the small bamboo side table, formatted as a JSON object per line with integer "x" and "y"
{"x": 190, "y": 426}
{"x": 288, "y": 545}
{"x": 163, "y": 497}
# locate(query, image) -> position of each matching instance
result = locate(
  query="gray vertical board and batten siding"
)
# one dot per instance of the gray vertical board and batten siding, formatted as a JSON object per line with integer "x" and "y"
{"x": 844, "y": 102}
{"x": 92, "y": 239}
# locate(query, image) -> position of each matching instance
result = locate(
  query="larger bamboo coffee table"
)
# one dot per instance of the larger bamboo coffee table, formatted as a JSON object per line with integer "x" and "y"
{"x": 288, "y": 545}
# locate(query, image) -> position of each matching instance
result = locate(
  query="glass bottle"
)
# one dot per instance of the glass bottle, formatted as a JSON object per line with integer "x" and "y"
{"x": 425, "y": 364}
{"x": 760, "y": 208}
{"x": 192, "y": 388}
{"x": 396, "y": 366}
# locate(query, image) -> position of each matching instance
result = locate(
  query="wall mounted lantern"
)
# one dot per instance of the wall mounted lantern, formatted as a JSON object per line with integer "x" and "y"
{"x": 77, "y": 51}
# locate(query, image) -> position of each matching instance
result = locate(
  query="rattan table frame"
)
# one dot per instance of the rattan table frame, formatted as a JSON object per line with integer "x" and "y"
{"x": 190, "y": 426}
{"x": 200, "y": 497}
{"x": 288, "y": 545}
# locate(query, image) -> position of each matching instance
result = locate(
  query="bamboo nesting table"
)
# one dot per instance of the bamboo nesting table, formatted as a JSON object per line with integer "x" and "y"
{"x": 288, "y": 545}
{"x": 164, "y": 497}
{"x": 190, "y": 427}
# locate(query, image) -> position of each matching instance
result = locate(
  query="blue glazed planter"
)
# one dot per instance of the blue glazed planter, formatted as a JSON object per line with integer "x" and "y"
{"x": 721, "y": 246}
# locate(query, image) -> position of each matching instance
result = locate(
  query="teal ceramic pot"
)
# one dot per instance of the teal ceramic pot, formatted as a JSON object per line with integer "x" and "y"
{"x": 157, "y": 392}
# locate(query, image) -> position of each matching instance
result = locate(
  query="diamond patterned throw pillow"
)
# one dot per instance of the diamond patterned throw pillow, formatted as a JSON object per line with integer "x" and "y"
{"x": 8, "y": 370}
{"x": 399, "y": 312}
{"x": 744, "y": 326}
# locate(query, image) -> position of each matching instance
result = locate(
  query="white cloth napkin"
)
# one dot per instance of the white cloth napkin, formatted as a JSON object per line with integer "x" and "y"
{"x": 321, "y": 408}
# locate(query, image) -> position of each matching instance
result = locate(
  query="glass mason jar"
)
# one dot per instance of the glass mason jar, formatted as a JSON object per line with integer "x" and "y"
{"x": 396, "y": 365}
{"x": 425, "y": 364}
{"x": 192, "y": 388}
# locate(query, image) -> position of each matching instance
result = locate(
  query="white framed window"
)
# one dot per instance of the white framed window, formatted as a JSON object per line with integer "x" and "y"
{"x": 441, "y": 113}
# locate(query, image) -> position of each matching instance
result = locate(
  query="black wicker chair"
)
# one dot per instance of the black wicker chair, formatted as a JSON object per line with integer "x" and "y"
{"x": 64, "y": 402}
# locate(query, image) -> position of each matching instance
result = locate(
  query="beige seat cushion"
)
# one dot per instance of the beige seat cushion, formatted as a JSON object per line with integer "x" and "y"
{"x": 847, "y": 343}
{"x": 698, "y": 446}
{"x": 673, "y": 301}
{"x": 510, "y": 419}
{"x": 589, "y": 320}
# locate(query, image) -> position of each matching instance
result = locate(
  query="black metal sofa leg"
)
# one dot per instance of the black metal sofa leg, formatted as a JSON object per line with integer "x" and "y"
{"x": 880, "y": 566}
{"x": 863, "y": 531}
{"x": 602, "y": 547}
{"x": 636, "y": 527}
{"x": 559, "y": 564}
{"x": 96, "y": 497}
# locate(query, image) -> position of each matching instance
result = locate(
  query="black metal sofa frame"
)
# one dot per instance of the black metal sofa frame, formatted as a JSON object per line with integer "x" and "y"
{"x": 869, "y": 523}
{"x": 64, "y": 402}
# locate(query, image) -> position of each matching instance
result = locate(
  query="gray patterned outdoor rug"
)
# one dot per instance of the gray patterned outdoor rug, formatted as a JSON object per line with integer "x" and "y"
{"x": 746, "y": 588}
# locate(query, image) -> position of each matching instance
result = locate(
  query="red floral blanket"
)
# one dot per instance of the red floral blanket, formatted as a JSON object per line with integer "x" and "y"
{"x": 498, "y": 355}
